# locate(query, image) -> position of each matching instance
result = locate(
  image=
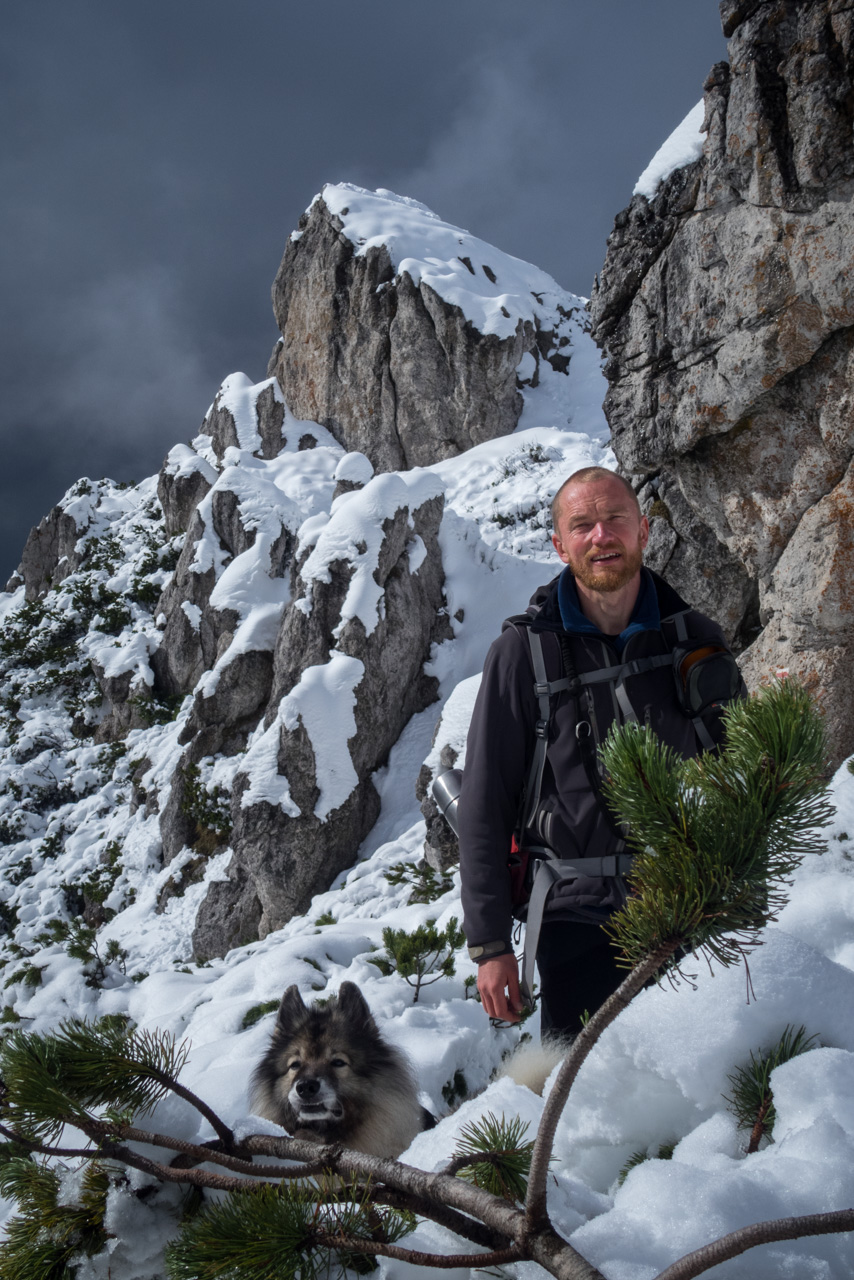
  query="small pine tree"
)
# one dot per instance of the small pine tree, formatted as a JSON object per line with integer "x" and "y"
{"x": 425, "y": 951}
{"x": 752, "y": 1100}
{"x": 426, "y": 884}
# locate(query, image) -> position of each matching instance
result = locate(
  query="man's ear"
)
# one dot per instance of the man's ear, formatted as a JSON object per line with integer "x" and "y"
{"x": 644, "y": 531}
{"x": 558, "y": 546}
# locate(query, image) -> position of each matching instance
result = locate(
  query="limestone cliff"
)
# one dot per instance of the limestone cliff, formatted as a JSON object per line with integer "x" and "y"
{"x": 726, "y": 310}
{"x": 401, "y": 364}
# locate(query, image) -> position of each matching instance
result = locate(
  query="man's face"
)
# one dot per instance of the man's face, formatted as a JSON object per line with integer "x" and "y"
{"x": 600, "y": 534}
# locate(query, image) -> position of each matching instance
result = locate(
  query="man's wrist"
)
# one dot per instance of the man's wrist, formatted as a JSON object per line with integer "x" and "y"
{"x": 489, "y": 950}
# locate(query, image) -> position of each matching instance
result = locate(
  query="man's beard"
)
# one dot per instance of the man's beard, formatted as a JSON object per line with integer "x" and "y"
{"x": 604, "y": 579}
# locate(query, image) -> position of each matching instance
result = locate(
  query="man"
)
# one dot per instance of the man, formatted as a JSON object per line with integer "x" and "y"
{"x": 612, "y": 627}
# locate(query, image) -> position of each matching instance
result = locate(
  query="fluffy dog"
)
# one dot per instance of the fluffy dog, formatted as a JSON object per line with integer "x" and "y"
{"x": 329, "y": 1076}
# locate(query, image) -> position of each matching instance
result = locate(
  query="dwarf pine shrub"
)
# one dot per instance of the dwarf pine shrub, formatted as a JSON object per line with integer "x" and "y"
{"x": 421, "y": 956}
{"x": 426, "y": 884}
{"x": 752, "y": 1100}
{"x": 210, "y": 809}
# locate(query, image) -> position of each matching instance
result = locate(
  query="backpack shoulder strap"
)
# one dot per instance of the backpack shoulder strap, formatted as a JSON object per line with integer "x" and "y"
{"x": 543, "y": 689}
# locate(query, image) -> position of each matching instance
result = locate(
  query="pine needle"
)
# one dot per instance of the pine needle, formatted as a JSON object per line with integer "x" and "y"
{"x": 715, "y": 838}
{"x": 752, "y": 1100}
{"x": 507, "y": 1159}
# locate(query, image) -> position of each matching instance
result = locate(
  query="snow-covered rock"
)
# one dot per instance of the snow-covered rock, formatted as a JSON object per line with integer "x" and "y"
{"x": 409, "y": 338}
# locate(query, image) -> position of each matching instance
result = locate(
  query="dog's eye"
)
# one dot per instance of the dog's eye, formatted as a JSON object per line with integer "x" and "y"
{"x": 294, "y": 1066}
{"x": 339, "y": 1062}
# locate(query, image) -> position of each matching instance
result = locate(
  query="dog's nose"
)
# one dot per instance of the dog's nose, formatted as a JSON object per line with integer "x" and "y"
{"x": 307, "y": 1088}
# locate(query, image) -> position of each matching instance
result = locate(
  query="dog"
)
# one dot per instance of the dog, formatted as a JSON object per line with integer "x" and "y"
{"x": 329, "y": 1076}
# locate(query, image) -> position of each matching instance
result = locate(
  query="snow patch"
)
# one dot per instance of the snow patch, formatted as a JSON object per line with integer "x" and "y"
{"x": 684, "y": 146}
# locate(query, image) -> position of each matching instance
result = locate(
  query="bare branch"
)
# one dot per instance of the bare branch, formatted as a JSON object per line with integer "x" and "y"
{"x": 811, "y": 1224}
{"x": 209, "y": 1154}
{"x": 466, "y": 1228}
{"x": 439, "y": 1260}
{"x": 536, "y": 1212}
{"x": 219, "y": 1126}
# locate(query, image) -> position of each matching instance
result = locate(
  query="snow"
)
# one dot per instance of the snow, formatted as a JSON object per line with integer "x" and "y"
{"x": 72, "y": 811}
{"x": 684, "y": 146}
{"x": 354, "y": 534}
{"x": 354, "y": 468}
{"x": 325, "y": 695}
{"x": 238, "y": 395}
{"x": 182, "y": 461}
{"x": 493, "y": 290}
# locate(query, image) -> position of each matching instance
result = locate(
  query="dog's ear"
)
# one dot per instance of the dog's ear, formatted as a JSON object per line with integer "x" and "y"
{"x": 290, "y": 1011}
{"x": 354, "y": 1008}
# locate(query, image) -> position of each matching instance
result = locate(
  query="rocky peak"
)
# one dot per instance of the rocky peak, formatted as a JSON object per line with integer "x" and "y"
{"x": 403, "y": 334}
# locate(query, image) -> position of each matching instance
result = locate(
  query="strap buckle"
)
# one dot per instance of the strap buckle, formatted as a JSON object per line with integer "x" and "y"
{"x": 541, "y": 729}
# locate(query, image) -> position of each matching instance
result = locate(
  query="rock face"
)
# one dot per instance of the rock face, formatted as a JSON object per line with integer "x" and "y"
{"x": 353, "y": 644}
{"x": 50, "y": 552}
{"x": 389, "y": 366}
{"x": 726, "y": 310}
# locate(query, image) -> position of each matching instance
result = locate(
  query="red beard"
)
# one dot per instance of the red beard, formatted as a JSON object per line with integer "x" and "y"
{"x": 602, "y": 578}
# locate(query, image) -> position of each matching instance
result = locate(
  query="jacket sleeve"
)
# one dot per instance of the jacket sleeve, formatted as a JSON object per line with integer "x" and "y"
{"x": 498, "y": 749}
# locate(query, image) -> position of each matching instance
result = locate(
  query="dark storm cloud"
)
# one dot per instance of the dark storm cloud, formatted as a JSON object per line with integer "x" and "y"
{"x": 156, "y": 156}
{"x": 559, "y": 119}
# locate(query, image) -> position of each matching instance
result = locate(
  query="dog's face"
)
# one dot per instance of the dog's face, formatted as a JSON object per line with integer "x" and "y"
{"x": 318, "y": 1068}
{"x": 315, "y": 1078}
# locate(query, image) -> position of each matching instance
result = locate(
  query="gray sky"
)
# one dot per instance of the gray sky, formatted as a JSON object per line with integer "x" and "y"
{"x": 157, "y": 153}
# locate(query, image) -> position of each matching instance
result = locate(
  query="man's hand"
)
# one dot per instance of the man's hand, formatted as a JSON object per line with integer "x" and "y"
{"x": 498, "y": 984}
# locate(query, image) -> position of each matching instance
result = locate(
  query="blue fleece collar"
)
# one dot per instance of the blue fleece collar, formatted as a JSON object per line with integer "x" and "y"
{"x": 645, "y": 615}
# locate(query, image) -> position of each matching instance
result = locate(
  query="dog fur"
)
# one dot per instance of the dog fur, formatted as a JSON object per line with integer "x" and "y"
{"x": 329, "y": 1076}
{"x": 531, "y": 1064}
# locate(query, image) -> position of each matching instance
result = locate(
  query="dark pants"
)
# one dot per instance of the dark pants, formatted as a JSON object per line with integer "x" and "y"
{"x": 578, "y": 971}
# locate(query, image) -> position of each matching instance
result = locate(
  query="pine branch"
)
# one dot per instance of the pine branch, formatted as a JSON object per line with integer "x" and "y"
{"x": 752, "y": 1100}
{"x": 536, "y": 1213}
{"x": 438, "y": 1260}
{"x": 730, "y": 1246}
{"x": 758, "y": 1131}
{"x": 208, "y": 1155}
{"x": 715, "y": 837}
{"x": 220, "y": 1128}
{"x": 465, "y": 1227}
{"x": 99, "y": 1132}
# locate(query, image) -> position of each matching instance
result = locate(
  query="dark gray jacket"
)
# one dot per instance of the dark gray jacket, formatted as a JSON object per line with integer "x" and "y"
{"x": 500, "y": 746}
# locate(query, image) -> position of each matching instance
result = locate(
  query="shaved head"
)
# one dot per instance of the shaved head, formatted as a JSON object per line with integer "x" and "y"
{"x": 587, "y": 475}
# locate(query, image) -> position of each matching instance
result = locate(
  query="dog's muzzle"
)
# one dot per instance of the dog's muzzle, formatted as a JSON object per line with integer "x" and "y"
{"x": 312, "y": 1099}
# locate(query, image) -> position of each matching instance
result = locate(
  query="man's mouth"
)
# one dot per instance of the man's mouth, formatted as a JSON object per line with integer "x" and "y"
{"x": 606, "y": 557}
